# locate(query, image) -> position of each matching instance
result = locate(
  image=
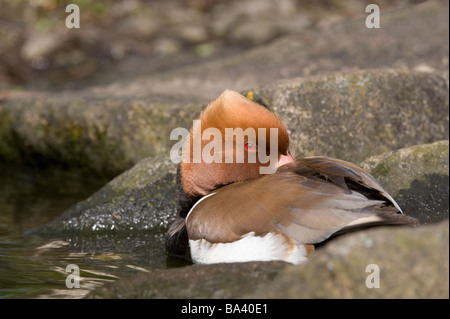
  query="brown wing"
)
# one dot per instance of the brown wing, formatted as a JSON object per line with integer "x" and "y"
{"x": 346, "y": 175}
{"x": 309, "y": 201}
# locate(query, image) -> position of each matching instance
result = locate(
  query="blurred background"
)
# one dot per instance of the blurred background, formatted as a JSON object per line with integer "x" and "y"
{"x": 136, "y": 37}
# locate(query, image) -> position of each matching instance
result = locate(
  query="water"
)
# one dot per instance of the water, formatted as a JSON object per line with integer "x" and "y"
{"x": 34, "y": 266}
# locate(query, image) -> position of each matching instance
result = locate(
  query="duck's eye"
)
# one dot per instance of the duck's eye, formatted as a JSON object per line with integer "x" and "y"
{"x": 250, "y": 147}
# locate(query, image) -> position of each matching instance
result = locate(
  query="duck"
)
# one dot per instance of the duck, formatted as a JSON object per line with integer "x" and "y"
{"x": 232, "y": 212}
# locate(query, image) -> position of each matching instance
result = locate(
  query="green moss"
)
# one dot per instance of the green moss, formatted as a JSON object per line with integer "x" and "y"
{"x": 398, "y": 170}
{"x": 73, "y": 141}
{"x": 380, "y": 170}
{"x": 432, "y": 156}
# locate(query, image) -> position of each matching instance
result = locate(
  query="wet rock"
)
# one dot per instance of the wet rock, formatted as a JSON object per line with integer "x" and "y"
{"x": 417, "y": 177}
{"x": 356, "y": 115}
{"x": 142, "y": 199}
{"x": 412, "y": 263}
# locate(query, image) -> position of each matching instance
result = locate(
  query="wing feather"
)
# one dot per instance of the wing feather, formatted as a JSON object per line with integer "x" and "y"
{"x": 309, "y": 201}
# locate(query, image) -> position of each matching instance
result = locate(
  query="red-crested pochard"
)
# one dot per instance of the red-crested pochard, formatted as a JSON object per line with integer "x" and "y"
{"x": 230, "y": 212}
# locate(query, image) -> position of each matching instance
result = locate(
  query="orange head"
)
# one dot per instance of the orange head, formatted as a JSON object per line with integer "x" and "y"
{"x": 233, "y": 139}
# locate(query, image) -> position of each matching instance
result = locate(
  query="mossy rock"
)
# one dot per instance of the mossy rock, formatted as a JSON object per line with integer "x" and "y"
{"x": 104, "y": 135}
{"x": 417, "y": 177}
{"x": 356, "y": 115}
{"x": 410, "y": 263}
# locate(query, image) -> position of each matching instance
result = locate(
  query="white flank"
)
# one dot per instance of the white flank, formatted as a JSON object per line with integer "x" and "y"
{"x": 272, "y": 246}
